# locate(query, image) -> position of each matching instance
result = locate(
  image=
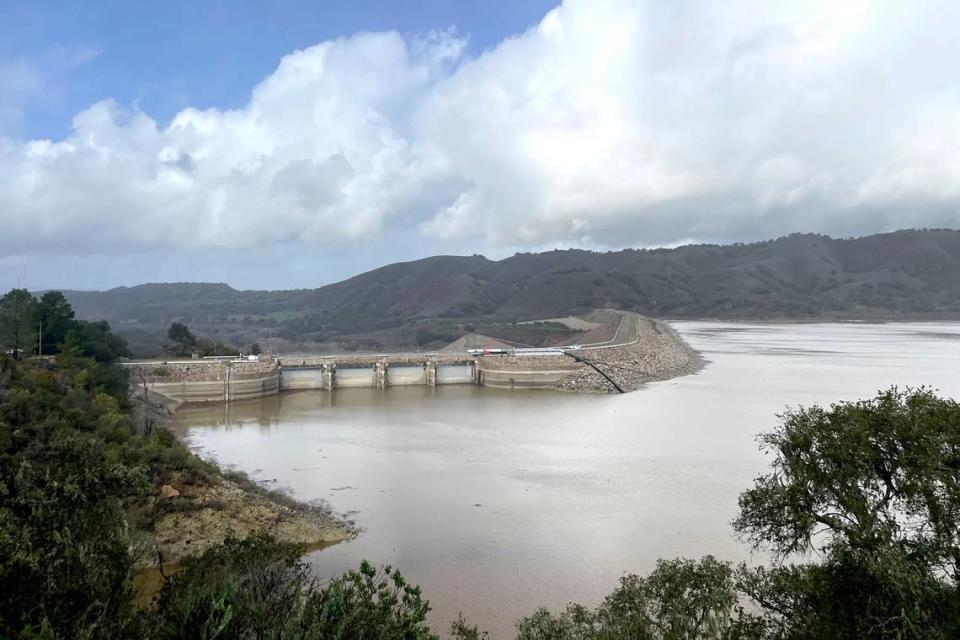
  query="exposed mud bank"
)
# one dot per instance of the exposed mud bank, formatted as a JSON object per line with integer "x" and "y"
{"x": 188, "y": 517}
{"x": 207, "y": 515}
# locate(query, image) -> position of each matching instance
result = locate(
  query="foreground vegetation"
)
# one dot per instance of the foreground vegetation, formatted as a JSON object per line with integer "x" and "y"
{"x": 860, "y": 509}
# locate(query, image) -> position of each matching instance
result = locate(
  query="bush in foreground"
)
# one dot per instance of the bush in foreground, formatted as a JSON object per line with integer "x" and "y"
{"x": 256, "y": 588}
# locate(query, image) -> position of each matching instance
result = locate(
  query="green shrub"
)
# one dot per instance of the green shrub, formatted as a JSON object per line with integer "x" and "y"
{"x": 257, "y": 588}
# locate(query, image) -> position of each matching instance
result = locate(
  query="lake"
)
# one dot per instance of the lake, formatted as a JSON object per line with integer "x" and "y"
{"x": 497, "y": 502}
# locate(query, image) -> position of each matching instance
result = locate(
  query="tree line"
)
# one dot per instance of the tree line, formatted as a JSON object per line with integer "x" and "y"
{"x": 860, "y": 510}
{"x": 48, "y": 326}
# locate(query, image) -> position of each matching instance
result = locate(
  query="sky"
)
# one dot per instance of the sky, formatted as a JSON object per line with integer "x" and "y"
{"x": 290, "y": 144}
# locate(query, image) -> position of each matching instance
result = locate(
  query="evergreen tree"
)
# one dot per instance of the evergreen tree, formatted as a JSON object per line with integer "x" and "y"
{"x": 56, "y": 319}
{"x": 183, "y": 338}
{"x": 18, "y": 322}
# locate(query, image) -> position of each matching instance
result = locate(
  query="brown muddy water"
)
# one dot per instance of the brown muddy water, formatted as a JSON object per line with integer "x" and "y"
{"x": 498, "y": 502}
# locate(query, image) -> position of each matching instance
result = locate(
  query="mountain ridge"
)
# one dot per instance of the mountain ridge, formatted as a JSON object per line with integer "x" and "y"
{"x": 907, "y": 274}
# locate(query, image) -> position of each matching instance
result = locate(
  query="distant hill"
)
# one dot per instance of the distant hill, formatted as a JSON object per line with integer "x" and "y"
{"x": 906, "y": 274}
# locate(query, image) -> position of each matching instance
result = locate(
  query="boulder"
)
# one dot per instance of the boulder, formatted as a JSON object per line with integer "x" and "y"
{"x": 169, "y": 492}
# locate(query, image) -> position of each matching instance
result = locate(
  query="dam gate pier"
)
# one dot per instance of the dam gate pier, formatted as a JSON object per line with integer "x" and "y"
{"x": 377, "y": 373}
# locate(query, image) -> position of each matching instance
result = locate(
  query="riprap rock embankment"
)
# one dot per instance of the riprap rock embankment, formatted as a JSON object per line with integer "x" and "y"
{"x": 657, "y": 353}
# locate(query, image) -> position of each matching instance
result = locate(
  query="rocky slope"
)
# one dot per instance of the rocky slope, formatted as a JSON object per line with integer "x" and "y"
{"x": 658, "y": 354}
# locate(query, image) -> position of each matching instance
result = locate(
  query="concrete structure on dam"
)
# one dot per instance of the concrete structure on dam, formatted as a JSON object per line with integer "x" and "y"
{"x": 218, "y": 384}
{"x": 313, "y": 372}
{"x": 225, "y": 381}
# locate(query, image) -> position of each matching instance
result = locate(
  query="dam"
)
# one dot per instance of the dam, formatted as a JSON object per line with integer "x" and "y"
{"x": 192, "y": 381}
{"x": 640, "y": 350}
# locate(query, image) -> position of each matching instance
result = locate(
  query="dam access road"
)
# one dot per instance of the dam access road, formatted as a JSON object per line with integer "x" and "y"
{"x": 640, "y": 349}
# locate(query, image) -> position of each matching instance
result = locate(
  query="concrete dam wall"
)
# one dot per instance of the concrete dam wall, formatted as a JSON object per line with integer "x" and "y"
{"x": 512, "y": 379}
{"x": 228, "y": 387}
{"x": 219, "y": 382}
{"x": 223, "y": 382}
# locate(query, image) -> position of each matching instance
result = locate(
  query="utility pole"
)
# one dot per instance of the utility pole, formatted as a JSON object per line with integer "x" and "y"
{"x": 146, "y": 406}
{"x": 40, "y": 339}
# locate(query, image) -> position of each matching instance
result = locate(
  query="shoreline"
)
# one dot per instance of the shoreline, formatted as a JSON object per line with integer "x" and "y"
{"x": 190, "y": 517}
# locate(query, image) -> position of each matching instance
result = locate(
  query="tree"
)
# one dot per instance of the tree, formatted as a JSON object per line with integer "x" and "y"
{"x": 680, "y": 600}
{"x": 873, "y": 485}
{"x": 255, "y": 349}
{"x": 863, "y": 475}
{"x": 96, "y": 340}
{"x": 56, "y": 317}
{"x": 182, "y": 337}
{"x": 18, "y": 321}
{"x": 850, "y": 595}
{"x": 214, "y": 348}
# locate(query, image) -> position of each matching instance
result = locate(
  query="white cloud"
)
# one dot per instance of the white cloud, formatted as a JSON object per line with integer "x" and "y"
{"x": 647, "y": 122}
{"x": 616, "y": 121}
{"x": 319, "y": 152}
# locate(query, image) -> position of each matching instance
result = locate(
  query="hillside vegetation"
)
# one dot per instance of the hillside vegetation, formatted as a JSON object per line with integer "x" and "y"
{"x": 426, "y": 303}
